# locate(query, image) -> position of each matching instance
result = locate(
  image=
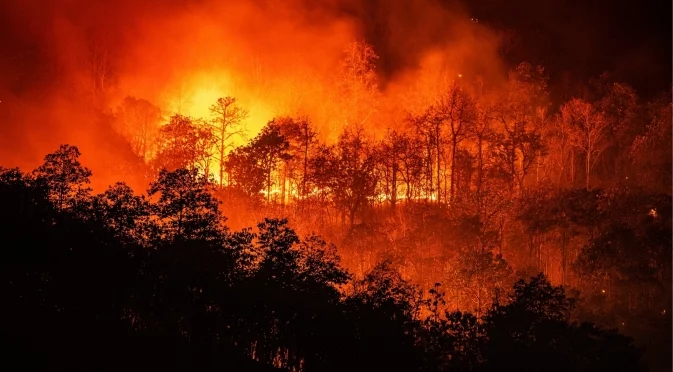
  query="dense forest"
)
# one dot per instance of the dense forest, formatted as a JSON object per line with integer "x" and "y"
{"x": 475, "y": 190}
{"x": 483, "y": 234}
{"x": 419, "y": 186}
{"x": 120, "y": 281}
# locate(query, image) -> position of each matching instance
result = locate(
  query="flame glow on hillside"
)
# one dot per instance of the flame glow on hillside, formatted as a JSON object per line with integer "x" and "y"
{"x": 275, "y": 59}
{"x": 194, "y": 95}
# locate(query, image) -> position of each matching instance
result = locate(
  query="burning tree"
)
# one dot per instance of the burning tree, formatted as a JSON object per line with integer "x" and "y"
{"x": 587, "y": 132}
{"x": 302, "y": 139}
{"x": 182, "y": 143}
{"x": 271, "y": 148}
{"x": 357, "y": 82}
{"x": 226, "y": 123}
{"x": 447, "y": 121}
{"x": 519, "y": 115}
{"x": 353, "y": 182}
{"x": 252, "y": 166}
{"x": 138, "y": 121}
{"x": 243, "y": 171}
{"x": 388, "y": 164}
{"x": 457, "y": 110}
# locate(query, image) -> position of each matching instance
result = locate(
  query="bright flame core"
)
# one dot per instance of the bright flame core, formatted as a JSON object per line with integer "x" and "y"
{"x": 193, "y": 96}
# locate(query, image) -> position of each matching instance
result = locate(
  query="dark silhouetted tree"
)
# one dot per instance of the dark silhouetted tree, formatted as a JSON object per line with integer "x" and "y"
{"x": 65, "y": 177}
{"x": 185, "y": 208}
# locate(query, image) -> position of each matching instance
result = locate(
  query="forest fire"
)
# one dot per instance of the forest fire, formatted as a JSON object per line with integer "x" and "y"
{"x": 366, "y": 185}
{"x": 195, "y": 95}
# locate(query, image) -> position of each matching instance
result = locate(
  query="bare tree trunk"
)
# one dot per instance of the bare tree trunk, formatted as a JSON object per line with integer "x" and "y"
{"x": 305, "y": 175}
{"x": 572, "y": 168}
{"x": 537, "y": 171}
{"x": 408, "y": 183}
{"x": 454, "y": 144}
{"x": 480, "y": 174}
{"x": 439, "y": 178}
{"x": 268, "y": 186}
{"x": 393, "y": 186}
{"x": 429, "y": 183}
{"x": 563, "y": 166}
{"x": 221, "y": 164}
{"x": 223, "y": 132}
{"x": 588, "y": 168}
{"x": 282, "y": 187}
{"x": 446, "y": 182}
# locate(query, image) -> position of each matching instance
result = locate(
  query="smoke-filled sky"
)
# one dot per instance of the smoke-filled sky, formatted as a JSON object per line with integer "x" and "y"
{"x": 279, "y": 57}
{"x": 582, "y": 38}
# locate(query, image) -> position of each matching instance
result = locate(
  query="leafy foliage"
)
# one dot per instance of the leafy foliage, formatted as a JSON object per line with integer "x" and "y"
{"x": 64, "y": 176}
{"x": 159, "y": 281}
{"x": 184, "y": 144}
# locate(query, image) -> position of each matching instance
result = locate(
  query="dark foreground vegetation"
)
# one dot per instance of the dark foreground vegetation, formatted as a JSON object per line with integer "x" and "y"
{"x": 117, "y": 281}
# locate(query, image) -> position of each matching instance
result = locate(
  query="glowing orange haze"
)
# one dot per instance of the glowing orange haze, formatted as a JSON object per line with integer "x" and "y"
{"x": 271, "y": 63}
{"x": 278, "y": 59}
